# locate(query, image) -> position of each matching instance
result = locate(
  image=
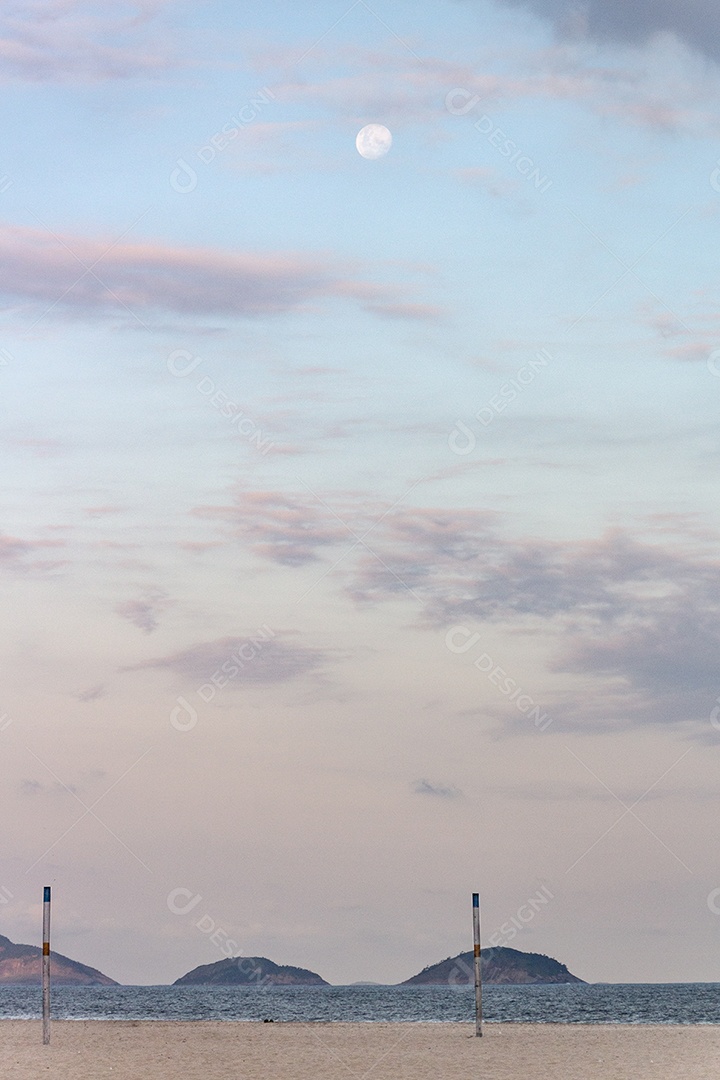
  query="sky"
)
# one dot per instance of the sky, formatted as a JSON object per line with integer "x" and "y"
{"x": 359, "y": 537}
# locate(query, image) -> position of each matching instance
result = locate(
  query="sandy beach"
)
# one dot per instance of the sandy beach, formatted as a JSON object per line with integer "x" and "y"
{"x": 129, "y": 1050}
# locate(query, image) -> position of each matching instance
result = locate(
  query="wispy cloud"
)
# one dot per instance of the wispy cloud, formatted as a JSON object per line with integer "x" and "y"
{"x": 435, "y": 790}
{"x": 288, "y": 529}
{"x": 83, "y": 42}
{"x": 406, "y": 90}
{"x": 85, "y": 274}
{"x": 145, "y": 611}
{"x": 638, "y": 620}
{"x": 277, "y": 661}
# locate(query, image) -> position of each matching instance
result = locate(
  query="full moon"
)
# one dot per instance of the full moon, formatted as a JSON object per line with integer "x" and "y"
{"x": 373, "y": 141}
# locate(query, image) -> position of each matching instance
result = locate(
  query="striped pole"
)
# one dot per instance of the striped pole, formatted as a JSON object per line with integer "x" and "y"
{"x": 46, "y": 966}
{"x": 478, "y": 972}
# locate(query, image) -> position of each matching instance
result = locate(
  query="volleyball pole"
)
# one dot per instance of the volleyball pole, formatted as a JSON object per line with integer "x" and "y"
{"x": 476, "y": 965}
{"x": 46, "y": 966}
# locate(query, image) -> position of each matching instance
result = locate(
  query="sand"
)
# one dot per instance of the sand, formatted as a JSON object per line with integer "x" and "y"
{"x": 157, "y": 1050}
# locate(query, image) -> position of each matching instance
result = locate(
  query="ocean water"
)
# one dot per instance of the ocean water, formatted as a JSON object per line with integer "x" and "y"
{"x": 685, "y": 1003}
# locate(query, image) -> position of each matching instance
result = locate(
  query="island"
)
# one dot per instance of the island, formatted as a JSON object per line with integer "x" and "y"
{"x": 20, "y": 965}
{"x": 254, "y": 971}
{"x": 500, "y": 966}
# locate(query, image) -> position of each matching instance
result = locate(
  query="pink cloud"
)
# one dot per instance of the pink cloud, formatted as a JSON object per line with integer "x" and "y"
{"x": 422, "y": 312}
{"x": 286, "y": 529}
{"x": 401, "y": 90}
{"x": 88, "y": 274}
{"x": 80, "y": 42}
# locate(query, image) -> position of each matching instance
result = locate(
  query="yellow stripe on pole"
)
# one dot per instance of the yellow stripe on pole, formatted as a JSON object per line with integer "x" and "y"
{"x": 46, "y": 948}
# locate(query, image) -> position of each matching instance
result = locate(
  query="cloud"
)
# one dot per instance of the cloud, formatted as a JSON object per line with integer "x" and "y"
{"x": 93, "y": 693}
{"x": 421, "y": 312}
{"x": 83, "y": 42}
{"x": 636, "y": 621}
{"x": 288, "y": 529}
{"x": 262, "y": 660}
{"x": 84, "y": 275}
{"x": 491, "y": 181}
{"x": 634, "y": 22}
{"x": 349, "y": 85}
{"x": 15, "y": 554}
{"x": 144, "y": 612}
{"x": 438, "y": 791}
{"x": 12, "y": 549}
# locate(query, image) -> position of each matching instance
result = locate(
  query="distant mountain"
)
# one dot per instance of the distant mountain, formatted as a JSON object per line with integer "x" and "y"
{"x": 22, "y": 964}
{"x": 499, "y": 966}
{"x": 249, "y": 971}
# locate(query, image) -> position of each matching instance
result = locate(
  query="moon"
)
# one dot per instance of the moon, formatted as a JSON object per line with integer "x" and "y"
{"x": 373, "y": 141}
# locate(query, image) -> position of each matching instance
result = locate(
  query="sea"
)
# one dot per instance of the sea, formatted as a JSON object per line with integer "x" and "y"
{"x": 665, "y": 1003}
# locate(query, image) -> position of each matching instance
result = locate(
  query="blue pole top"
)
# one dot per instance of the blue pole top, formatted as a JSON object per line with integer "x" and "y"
{"x": 476, "y": 899}
{"x": 46, "y": 894}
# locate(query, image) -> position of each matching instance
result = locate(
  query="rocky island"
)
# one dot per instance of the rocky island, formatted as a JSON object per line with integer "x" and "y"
{"x": 249, "y": 971}
{"x": 20, "y": 965}
{"x": 500, "y": 966}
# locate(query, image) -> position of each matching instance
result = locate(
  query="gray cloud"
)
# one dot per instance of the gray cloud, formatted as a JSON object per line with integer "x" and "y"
{"x": 695, "y": 22}
{"x": 145, "y": 611}
{"x": 12, "y": 549}
{"x": 438, "y": 791}
{"x": 15, "y": 554}
{"x": 93, "y": 693}
{"x": 263, "y": 659}
{"x": 638, "y": 620}
{"x": 288, "y": 529}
